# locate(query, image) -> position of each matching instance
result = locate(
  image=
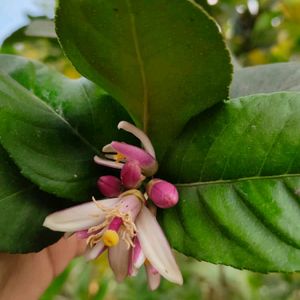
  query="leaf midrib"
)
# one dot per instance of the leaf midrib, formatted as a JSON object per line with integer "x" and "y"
{"x": 228, "y": 181}
{"x": 75, "y": 132}
{"x": 28, "y": 188}
{"x": 141, "y": 67}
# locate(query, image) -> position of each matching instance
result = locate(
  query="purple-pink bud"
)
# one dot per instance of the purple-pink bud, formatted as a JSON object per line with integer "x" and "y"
{"x": 110, "y": 186}
{"x": 131, "y": 175}
{"x": 164, "y": 194}
{"x": 146, "y": 161}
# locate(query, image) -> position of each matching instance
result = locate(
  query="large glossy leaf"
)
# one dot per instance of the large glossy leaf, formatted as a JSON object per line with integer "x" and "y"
{"x": 53, "y": 126}
{"x": 240, "y": 204}
{"x": 266, "y": 79}
{"x": 251, "y": 136}
{"x": 23, "y": 209}
{"x": 249, "y": 224}
{"x": 159, "y": 58}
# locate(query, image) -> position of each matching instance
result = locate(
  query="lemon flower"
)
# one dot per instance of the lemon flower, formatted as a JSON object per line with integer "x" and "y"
{"x": 118, "y": 153}
{"x": 124, "y": 225}
{"x": 117, "y": 224}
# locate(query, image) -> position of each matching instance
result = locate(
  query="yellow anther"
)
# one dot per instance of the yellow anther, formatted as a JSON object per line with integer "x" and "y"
{"x": 110, "y": 238}
{"x": 119, "y": 157}
{"x": 147, "y": 262}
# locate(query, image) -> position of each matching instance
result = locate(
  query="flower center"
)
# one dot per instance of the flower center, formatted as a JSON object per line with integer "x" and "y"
{"x": 119, "y": 157}
{"x": 110, "y": 238}
{"x": 116, "y": 219}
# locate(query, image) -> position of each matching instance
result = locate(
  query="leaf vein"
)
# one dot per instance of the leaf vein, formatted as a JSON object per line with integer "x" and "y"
{"x": 141, "y": 67}
{"x": 260, "y": 217}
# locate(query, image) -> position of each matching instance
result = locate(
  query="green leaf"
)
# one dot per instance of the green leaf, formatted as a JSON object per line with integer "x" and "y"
{"x": 266, "y": 79}
{"x": 53, "y": 126}
{"x": 158, "y": 58}
{"x": 248, "y": 224}
{"x": 204, "y": 4}
{"x": 251, "y": 136}
{"x": 23, "y": 209}
{"x": 239, "y": 169}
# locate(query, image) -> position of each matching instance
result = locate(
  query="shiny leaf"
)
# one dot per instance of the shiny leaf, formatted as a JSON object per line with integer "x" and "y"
{"x": 238, "y": 169}
{"x": 23, "y": 208}
{"x": 53, "y": 126}
{"x": 158, "y": 58}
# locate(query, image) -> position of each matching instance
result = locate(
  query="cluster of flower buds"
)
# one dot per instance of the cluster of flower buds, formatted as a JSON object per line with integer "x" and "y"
{"x": 125, "y": 224}
{"x": 136, "y": 165}
{"x": 161, "y": 192}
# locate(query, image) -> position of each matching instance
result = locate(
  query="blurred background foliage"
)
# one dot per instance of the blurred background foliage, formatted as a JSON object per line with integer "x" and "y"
{"x": 257, "y": 32}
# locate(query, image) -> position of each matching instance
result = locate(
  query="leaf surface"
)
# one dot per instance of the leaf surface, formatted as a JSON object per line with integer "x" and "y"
{"x": 158, "y": 58}
{"x": 53, "y": 126}
{"x": 265, "y": 79}
{"x": 23, "y": 208}
{"x": 238, "y": 172}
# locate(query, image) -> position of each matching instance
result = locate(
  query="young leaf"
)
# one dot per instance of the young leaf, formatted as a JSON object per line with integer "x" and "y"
{"x": 240, "y": 163}
{"x": 23, "y": 209}
{"x": 53, "y": 126}
{"x": 158, "y": 58}
{"x": 266, "y": 79}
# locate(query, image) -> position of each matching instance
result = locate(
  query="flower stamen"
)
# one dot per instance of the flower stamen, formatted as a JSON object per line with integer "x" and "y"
{"x": 102, "y": 232}
{"x": 119, "y": 157}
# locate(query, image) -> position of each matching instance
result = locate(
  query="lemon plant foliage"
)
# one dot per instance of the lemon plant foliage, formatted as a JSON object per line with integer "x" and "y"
{"x": 232, "y": 149}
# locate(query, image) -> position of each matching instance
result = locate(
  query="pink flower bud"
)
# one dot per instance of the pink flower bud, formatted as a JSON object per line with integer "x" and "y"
{"x": 162, "y": 193}
{"x": 146, "y": 161}
{"x": 109, "y": 186}
{"x": 131, "y": 175}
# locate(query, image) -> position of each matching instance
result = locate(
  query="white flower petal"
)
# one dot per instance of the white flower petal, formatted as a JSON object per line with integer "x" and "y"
{"x": 78, "y": 217}
{"x": 153, "y": 279}
{"x": 92, "y": 253}
{"x": 119, "y": 259}
{"x": 108, "y": 148}
{"x": 140, "y": 135}
{"x": 107, "y": 163}
{"x": 156, "y": 247}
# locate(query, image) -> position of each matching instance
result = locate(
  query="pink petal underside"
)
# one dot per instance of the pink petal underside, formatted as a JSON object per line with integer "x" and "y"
{"x": 119, "y": 259}
{"x": 92, "y": 253}
{"x": 134, "y": 153}
{"x": 156, "y": 247}
{"x": 78, "y": 217}
{"x": 139, "y": 134}
{"x": 138, "y": 256}
{"x": 132, "y": 271}
{"x": 153, "y": 278}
